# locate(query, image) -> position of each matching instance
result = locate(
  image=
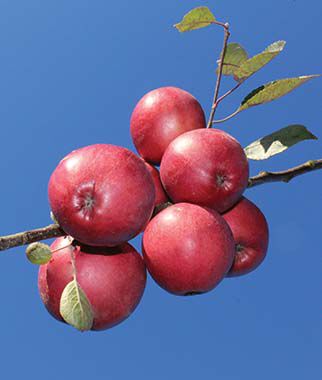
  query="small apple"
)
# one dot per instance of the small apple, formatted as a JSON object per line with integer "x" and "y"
{"x": 102, "y": 195}
{"x": 188, "y": 249}
{"x": 113, "y": 280}
{"x": 249, "y": 227}
{"x": 207, "y": 167}
{"x": 160, "y": 194}
{"x": 162, "y": 115}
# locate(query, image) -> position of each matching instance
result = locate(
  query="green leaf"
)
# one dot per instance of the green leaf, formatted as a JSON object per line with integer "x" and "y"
{"x": 253, "y": 64}
{"x": 196, "y": 19}
{"x": 278, "y": 142}
{"x": 234, "y": 57}
{"x": 273, "y": 90}
{"x": 38, "y": 253}
{"x": 75, "y": 307}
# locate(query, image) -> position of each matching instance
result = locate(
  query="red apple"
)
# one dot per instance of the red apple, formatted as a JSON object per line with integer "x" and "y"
{"x": 160, "y": 194}
{"x": 250, "y": 230}
{"x": 113, "y": 280}
{"x": 207, "y": 167}
{"x": 160, "y": 116}
{"x": 188, "y": 249}
{"x": 102, "y": 195}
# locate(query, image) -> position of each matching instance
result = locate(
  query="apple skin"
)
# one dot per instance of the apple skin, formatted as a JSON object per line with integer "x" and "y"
{"x": 160, "y": 116}
{"x": 250, "y": 231}
{"x": 188, "y": 249}
{"x": 160, "y": 194}
{"x": 207, "y": 167}
{"x": 102, "y": 195}
{"x": 113, "y": 280}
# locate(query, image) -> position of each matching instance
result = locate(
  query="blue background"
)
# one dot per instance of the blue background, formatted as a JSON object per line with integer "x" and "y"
{"x": 71, "y": 73}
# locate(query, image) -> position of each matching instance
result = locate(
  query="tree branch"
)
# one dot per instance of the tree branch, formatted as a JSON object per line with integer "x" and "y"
{"x": 285, "y": 175}
{"x": 53, "y": 230}
{"x": 219, "y": 76}
{"x": 27, "y": 237}
{"x": 227, "y": 117}
{"x": 229, "y": 92}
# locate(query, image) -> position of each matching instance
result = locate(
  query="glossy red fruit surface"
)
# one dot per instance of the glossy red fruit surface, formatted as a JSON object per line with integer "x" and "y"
{"x": 160, "y": 194}
{"x": 207, "y": 167}
{"x": 113, "y": 280}
{"x": 188, "y": 249}
{"x": 162, "y": 115}
{"x": 250, "y": 230}
{"x": 102, "y": 195}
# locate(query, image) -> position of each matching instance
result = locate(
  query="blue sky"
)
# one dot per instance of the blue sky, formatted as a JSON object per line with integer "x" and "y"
{"x": 71, "y": 73}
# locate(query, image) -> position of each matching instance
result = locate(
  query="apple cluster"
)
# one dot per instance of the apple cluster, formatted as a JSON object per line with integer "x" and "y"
{"x": 197, "y": 226}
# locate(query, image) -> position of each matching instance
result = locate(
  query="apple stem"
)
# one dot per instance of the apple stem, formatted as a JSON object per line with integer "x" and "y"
{"x": 73, "y": 260}
{"x": 64, "y": 246}
{"x": 230, "y": 91}
{"x": 227, "y": 117}
{"x": 219, "y": 76}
